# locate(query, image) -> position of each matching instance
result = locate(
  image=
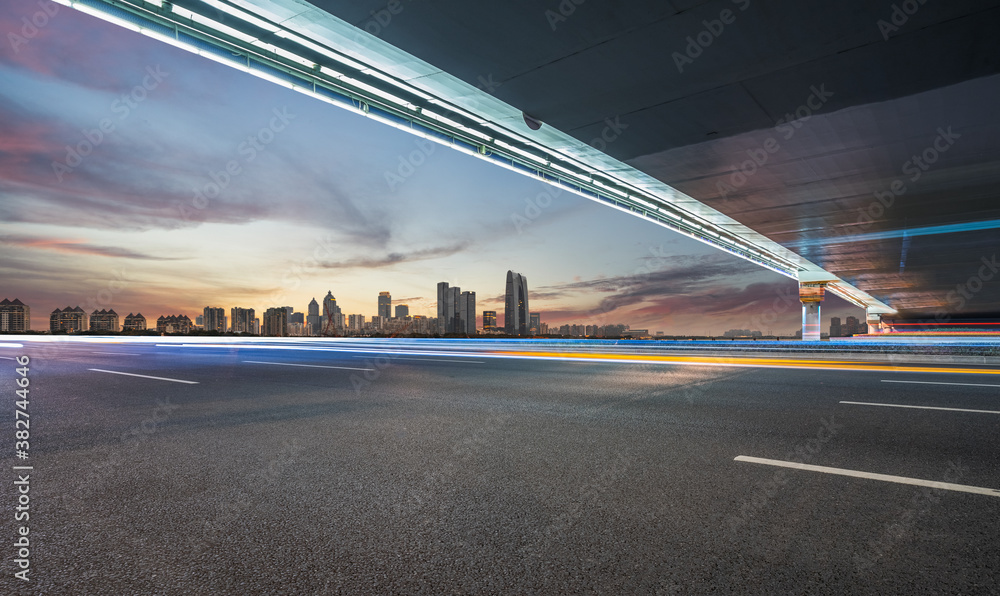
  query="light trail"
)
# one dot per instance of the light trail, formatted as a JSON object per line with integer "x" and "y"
{"x": 741, "y": 362}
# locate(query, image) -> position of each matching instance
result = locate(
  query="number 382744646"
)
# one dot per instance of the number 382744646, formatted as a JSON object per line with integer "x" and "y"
{"x": 22, "y": 425}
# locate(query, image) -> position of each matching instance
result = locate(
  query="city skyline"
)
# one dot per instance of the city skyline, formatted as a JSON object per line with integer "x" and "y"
{"x": 243, "y": 320}
{"x": 312, "y": 200}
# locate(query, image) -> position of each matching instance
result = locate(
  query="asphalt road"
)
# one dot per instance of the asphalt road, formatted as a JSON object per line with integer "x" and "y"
{"x": 438, "y": 473}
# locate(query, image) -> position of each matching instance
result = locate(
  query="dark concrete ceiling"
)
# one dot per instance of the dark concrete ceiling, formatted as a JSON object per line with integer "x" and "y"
{"x": 891, "y": 84}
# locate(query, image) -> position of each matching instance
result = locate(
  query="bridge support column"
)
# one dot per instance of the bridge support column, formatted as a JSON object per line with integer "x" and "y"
{"x": 874, "y": 321}
{"x": 811, "y": 295}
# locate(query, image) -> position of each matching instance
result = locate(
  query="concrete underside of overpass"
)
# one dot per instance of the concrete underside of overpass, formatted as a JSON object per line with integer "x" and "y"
{"x": 887, "y": 177}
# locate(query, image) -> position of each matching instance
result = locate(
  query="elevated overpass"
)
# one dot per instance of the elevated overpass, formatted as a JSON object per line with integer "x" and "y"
{"x": 848, "y": 145}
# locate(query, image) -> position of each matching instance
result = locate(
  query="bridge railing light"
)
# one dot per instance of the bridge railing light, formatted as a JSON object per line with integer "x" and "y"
{"x": 241, "y": 14}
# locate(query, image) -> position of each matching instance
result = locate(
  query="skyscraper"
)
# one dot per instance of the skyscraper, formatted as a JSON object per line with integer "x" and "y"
{"x": 466, "y": 313}
{"x": 851, "y": 327}
{"x": 314, "y": 322}
{"x": 241, "y": 319}
{"x": 332, "y": 317}
{"x": 454, "y": 298}
{"x": 535, "y": 323}
{"x": 445, "y": 315}
{"x": 214, "y": 319}
{"x": 449, "y": 309}
{"x": 489, "y": 320}
{"x": 384, "y": 305}
{"x": 329, "y": 305}
{"x": 275, "y": 322}
{"x": 516, "y": 304}
{"x": 15, "y": 316}
{"x": 402, "y": 311}
{"x": 835, "y": 330}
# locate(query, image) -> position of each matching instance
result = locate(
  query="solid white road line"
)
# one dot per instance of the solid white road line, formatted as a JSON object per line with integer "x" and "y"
{"x": 306, "y": 365}
{"x": 883, "y": 477}
{"x": 117, "y": 353}
{"x": 864, "y": 403}
{"x": 8, "y": 345}
{"x": 425, "y": 359}
{"x": 940, "y": 383}
{"x": 7, "y": 357}
{"x": 115, "y": 372}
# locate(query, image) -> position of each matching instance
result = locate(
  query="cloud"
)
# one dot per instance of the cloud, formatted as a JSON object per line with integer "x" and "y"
{"x": 395, "y": 258}
{"x": 502, "y": 299}
{"x": 147, "y": 172}
{"x": 691, "y": 289}
{"x": 78, "y": 247}
{"x": 632, "y": 288}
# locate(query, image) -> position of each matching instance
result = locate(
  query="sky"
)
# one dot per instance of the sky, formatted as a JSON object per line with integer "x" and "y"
{"x": 139, "y": 177}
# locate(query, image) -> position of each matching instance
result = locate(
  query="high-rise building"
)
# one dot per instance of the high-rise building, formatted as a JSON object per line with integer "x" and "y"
{"x": 402, "y": 311}
{"x": 535, "y": 322}
{"x": 332, "y": 316}
{"x": 174, "y": 324}
{"x": 15, "y": 316}
{"x": 297, "y": 317}
{"x": 355, "y": 322}
{"x": 516, "y": 304}
{"x": 241, "y": 319}
{"x": 214, "y": 319}
{"x": 852, "y": 326}
{"x": 384, "y": 305}
{"x": 329, "y": 305}
{"x": 104, "y": 320}
{"x": 423, "y": 325}
{"x": 314, "y": 322}
{"x": 199, "y": 321}
{"x": 68, "y": 320}
{"x": 455, "y": 298}
{"x": 275, "y": 322}
{"x": 835, "y": 330}
{"x": 445, "y": 307}
{"x": 134, "y": 322}
{"x": 614, "y": 330}
{"x": 450, "y": 315}
{"x": 466, "y": 313}
{"x": 489, "y": 320}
